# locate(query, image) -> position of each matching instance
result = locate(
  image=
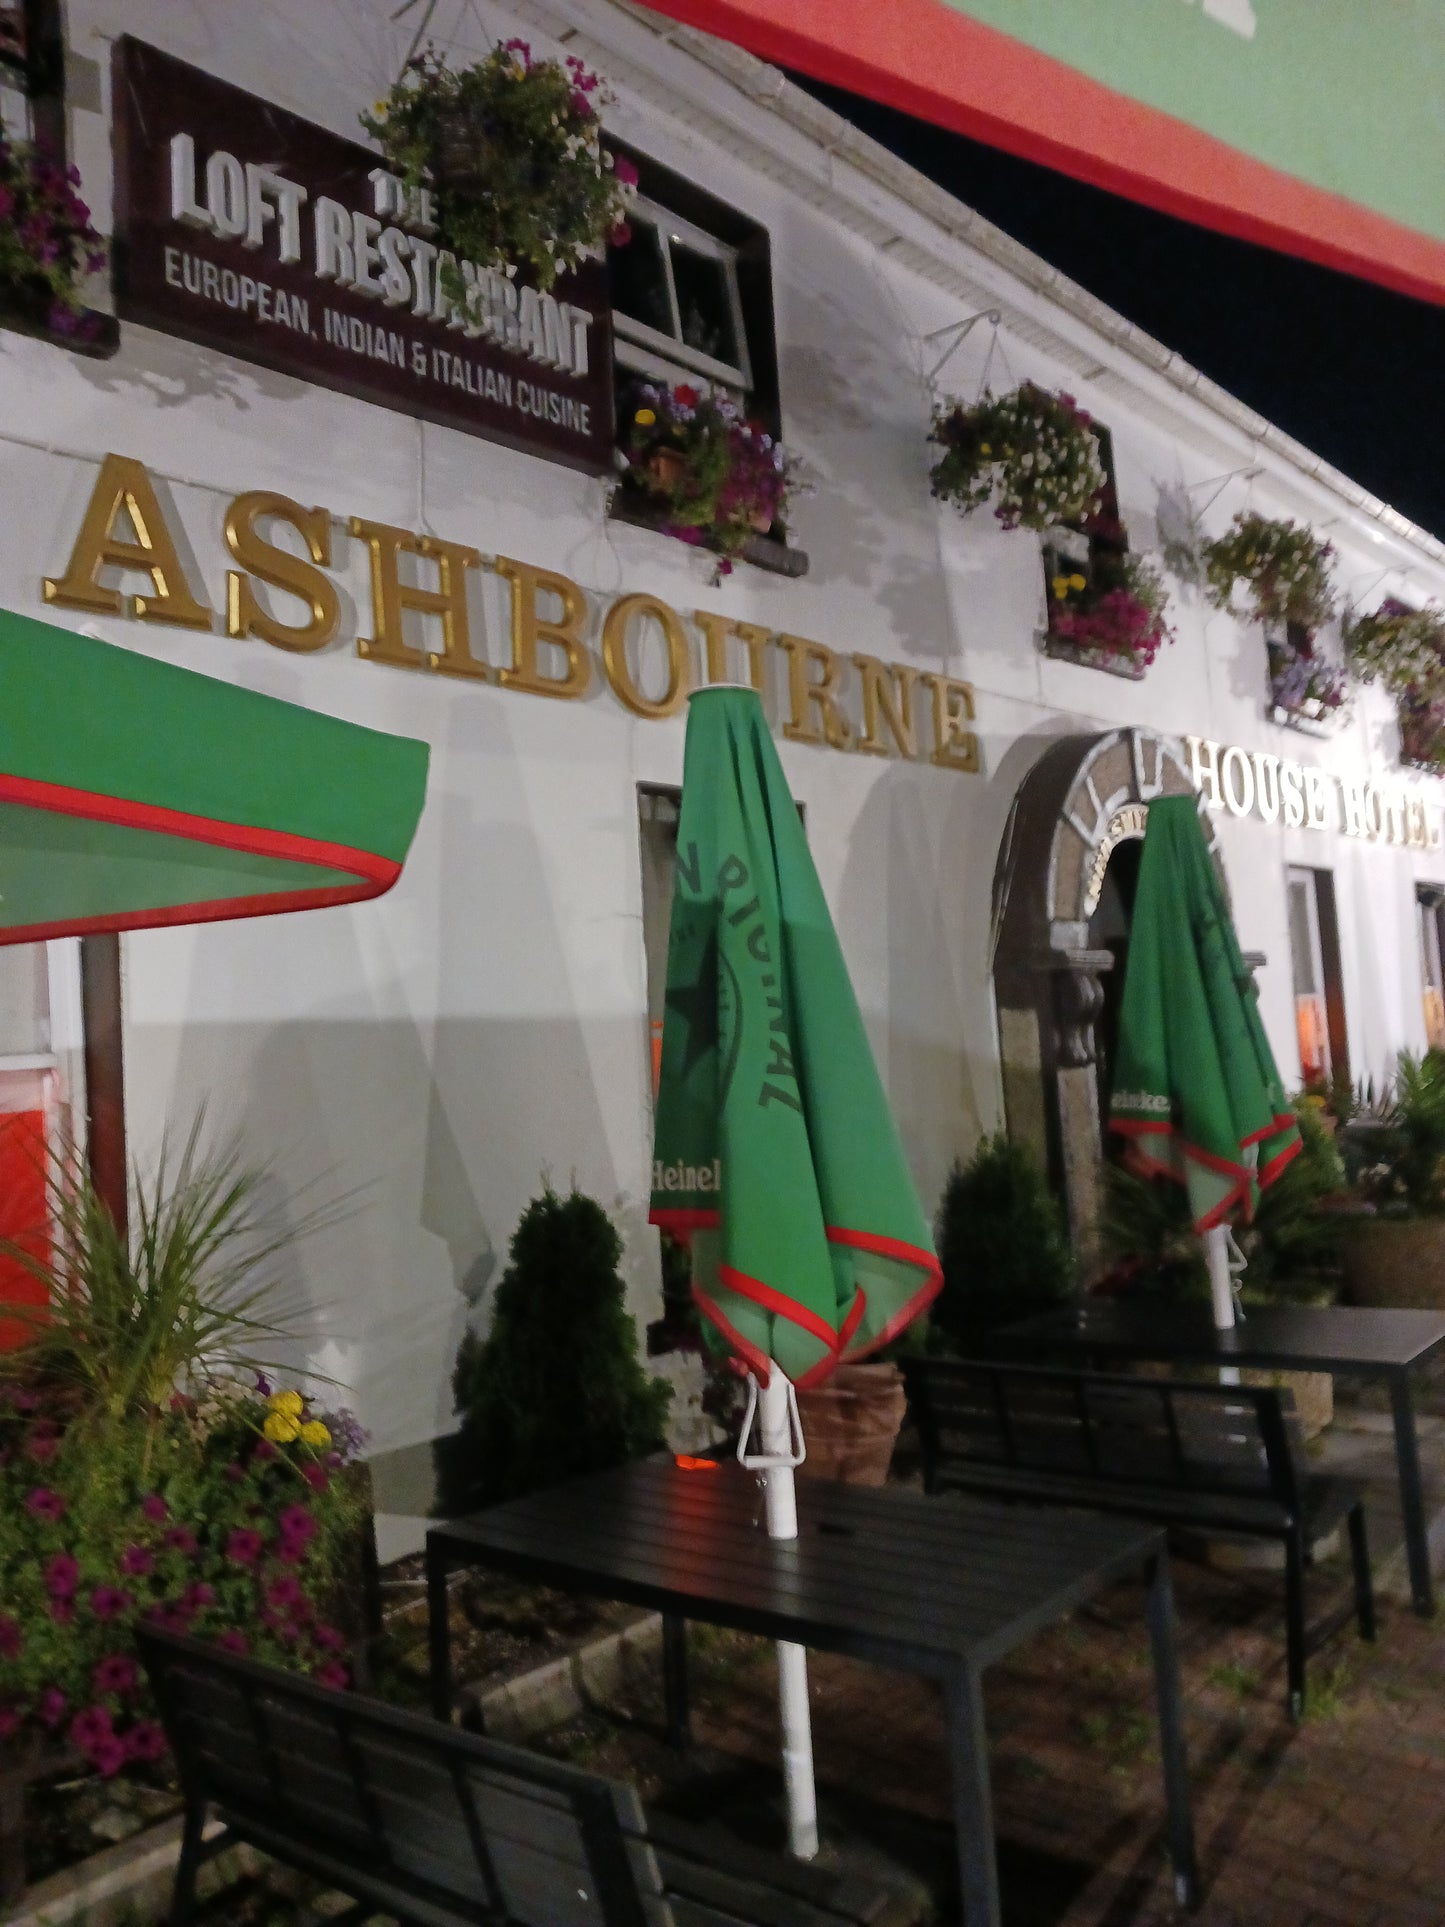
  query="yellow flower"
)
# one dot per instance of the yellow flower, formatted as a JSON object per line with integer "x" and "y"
{"x": 1077, "y": 582}
{"x": 290, "y": 1403}
{"x": 984, "y": 449}
{"x": 644, "y": 418}
{"x": 379, "y": 109}
{"x": 313, "y": 1432}
{"x": 1060, "y": 587}
{"x": 281, "y": 1428}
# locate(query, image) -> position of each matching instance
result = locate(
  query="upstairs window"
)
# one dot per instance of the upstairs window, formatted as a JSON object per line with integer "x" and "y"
{"x": 692, "y": 296}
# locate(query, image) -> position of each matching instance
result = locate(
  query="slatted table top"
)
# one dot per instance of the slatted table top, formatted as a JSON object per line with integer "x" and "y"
{"x": 921, "y": 1583}
{"x": 1324, "y": 1338}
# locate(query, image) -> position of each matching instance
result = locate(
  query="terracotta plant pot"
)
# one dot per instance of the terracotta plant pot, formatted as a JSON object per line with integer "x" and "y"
{"x": 667, "y": 467}
{"x": 1314, "y": 1396}
{"x": 1395, "y": 1262}
{"x": 851, "y": 1424}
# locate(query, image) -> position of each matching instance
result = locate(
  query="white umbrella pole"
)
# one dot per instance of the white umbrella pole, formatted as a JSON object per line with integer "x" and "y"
{"x": 1221, "y": 1287}
{"x": 782, "y": 1449}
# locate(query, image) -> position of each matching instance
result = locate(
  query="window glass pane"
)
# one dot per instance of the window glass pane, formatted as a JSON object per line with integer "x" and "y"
{"x": 704, "y": 304}
{"x": 1301, "y": 948}
{"x": 639, "y": 278}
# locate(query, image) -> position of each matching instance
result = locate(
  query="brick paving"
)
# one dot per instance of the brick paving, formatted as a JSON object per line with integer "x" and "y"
{"x": 1338, "y": 1822}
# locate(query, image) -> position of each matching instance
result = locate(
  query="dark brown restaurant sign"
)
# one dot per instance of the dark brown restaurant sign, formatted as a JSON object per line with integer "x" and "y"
{"x": 243, "y": 227}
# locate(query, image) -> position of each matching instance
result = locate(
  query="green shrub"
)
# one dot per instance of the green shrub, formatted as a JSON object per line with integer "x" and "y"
{"x": 1292, "y": 1247}
{"x": 1002, "y": 1244}
{"x": 556, "y": 1388}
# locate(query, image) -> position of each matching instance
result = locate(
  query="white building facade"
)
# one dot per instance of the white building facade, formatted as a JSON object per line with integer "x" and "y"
{"x": 435, "y": 1055}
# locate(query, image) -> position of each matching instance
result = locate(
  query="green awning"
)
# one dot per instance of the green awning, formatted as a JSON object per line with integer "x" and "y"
{"x": 133, "y": 794}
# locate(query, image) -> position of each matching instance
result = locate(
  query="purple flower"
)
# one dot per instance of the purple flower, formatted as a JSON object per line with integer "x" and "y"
{"x": 62, "y": 1611}
{"x": 180, "y": 1539}
{"x": 42, "y": 1444}
{"x": 115, "y": 1674}
{"x": 243, "y": 1547}
{"x": 234, "y": 1473}
{"x": 62, "y": 1575}
{"x": 285, "y": 1591}
{"x": 263, "y": 1451}
{"x": 579, "y": 103}
{"x": 297, "y": 1525}
{"x": 136, "y": 1561}
{"x": 145, "y": 1741}
{"x": 263, "y": 1385}
{"x": 108, "y": 1756}
{"x": 51, "y": 1706}
{"x": 11, "y": 1640}
{"x": 620, "y": 235}
{"x": 91, "y": 1728}
{"x": 334, "y": 1674}
{"x": 329, "y": 1639}
{"x": 154, "y": 1507}
{"x": 198, "y": 1596}
{"x": 231, "y": 1641}
{"x": 46, "y": 1504}
{"x": 109, "y": 1602}
{"x": 9, "y": 1721}
{"x": 316, "y": 1476}
{"x": 625, "y": 171}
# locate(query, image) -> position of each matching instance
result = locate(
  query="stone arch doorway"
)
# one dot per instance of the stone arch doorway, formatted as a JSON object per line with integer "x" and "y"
{"x": 1063, "y": 893}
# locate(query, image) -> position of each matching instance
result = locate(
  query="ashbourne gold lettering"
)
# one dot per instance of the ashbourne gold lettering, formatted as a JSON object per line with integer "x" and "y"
{"x": 530, "y": 627}
{"x": 123, "y": 483}
{"x": 280, "y": 569}
{"x": 627, "y": 611}
{"x": 716, "y": 631}
{"x": 888, "y": 699}
{"x": 807, "y": 693}
{"x": 954, "y": 747}
{"x": 391, "y": 598}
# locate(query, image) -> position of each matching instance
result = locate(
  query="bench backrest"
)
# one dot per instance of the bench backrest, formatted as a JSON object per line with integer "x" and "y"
{"x": 462, "y": 1827}
{"x": 1227, "y": 1441}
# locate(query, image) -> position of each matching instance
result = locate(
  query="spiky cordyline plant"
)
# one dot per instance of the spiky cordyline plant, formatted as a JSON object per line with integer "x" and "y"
{"x": 184, "y": 1302}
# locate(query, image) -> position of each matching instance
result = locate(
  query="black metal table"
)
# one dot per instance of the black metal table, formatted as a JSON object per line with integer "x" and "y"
{"x": 933, "y": 1586}
{"x": 1347, "y": 1339}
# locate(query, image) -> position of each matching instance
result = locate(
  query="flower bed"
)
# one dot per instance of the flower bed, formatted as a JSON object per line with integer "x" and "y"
{"x": 709, "y": 475}
{"x": 1112, "y": 617}
{"x": 234, "y": 1519}
{"x": 1032, "y": 453}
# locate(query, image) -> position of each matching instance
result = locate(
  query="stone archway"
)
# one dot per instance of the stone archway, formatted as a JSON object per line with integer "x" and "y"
{"x": 1084, "y": 796}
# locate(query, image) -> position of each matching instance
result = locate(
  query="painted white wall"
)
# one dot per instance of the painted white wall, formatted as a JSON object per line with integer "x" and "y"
{"x": 435, "y": 1054}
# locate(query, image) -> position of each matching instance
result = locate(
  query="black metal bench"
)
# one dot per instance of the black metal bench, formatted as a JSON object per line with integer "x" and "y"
{"x": 441, "y": 1828}
{"x": 1222, "y": 1459}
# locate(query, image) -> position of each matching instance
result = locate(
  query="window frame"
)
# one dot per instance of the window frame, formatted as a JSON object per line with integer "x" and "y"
{"x": 1430, "y": 923}
{"x": 644, "y": 349}
{"x": 1325, "y": 963}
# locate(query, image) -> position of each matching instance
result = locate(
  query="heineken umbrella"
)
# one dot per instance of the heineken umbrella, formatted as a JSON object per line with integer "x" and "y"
{"x": 776, "y": 1157}
{"x": 134, "y": 793}
{"x": 1196, "y": 1090}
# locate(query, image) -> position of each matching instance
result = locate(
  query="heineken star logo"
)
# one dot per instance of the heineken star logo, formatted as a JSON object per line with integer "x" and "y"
{"x": 696, "y": 1005}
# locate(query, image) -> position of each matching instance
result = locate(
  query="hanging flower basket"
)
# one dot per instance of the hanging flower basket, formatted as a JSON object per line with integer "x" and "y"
{"x": 1403, "y": 650}
{"x": 1112, "y": 617}
{"x": 1306, "y": 690}
{"x": 47, "y": 244}
{"x": 511, "y": 149}
{"x": 1283, "y": 568}
{"x": 710, "y": 476}
{"x": 1031, "y": 452}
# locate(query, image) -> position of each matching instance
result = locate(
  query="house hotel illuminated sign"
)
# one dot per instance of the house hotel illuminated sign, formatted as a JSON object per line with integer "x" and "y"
{"x": 246, "y": 228}
{"x": 1252, "y": 782}
{"x": 648, "y": 652}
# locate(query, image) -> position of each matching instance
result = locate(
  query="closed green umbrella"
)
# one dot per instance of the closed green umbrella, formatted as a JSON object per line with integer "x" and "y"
{"x": 1196, "y": 1091}
{"x": 776, "y": 1155}
{"x": 134, "y": 793}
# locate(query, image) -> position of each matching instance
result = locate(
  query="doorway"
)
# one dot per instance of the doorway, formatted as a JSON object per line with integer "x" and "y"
{"x": 1109, "y": 931}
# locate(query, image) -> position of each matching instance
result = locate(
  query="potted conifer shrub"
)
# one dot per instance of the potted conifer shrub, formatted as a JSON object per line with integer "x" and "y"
{"x": 1002, "y": 1245}
{"x": 1394, "y": 1250}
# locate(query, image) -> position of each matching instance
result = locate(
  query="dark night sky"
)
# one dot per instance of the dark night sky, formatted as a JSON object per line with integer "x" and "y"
{"x": 1354, "y": 372}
